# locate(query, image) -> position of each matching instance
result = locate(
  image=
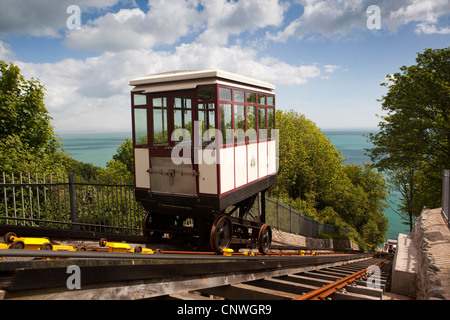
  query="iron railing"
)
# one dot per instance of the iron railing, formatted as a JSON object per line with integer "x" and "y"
{"x": 70, "y": 202}
{"x": 105, "y": 205}
{"x": 285, "y": 218}
{"x": 446, "y": 196}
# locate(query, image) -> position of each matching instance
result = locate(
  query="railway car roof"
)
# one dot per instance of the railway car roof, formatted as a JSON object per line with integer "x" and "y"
{"x": 189, "y": 79}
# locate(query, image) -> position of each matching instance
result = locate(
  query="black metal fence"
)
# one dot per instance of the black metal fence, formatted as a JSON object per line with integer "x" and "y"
{"x": 285, "y": 218}
{"x": 103, "y": 205}
{"x": 446, "y": 196}
{"x": 70, "y": 202}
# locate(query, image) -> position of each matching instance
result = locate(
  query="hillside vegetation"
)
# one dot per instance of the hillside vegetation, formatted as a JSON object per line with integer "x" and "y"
{"x": 313, "y": 179}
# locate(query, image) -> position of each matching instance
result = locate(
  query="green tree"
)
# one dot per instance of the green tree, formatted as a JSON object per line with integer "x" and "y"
{"x": 307, "y": 159}
{"x": 122, "y": 163}
{"x": 125, "y": 155}
{"x": 27, "y": 140}
{"x": 83, "y": 169}
{"x": 413, "y": 144}
{"x": 371, "y": 187}
{"x": 312, "y": 179}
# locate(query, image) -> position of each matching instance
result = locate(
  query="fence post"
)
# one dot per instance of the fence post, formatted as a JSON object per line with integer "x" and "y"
{"x": 263, "y": 206}
{"x": 446, "y": 195}
{"x": 290, "y": 219}
{"x": 73, "y": 201}
{"x": 259, "y": 204}
{"x": 278, "y": 214}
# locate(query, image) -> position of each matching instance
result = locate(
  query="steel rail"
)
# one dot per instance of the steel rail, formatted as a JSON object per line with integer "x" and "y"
{"x": 110, "y": 255}
{"x": 103, "y": 277}
{"x": 325, "y": 291}
{"x": 137, "y": 256}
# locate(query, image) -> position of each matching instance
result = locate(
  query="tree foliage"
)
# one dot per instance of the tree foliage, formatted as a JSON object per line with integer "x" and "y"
{"x": 313, "y": 179}
{"x": 27, "y": 140}
{"x": 125, "y": 155}
{"x": 413, "y": 144}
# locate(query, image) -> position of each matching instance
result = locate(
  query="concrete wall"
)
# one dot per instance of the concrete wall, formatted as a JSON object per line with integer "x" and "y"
{"x": 404, "y": 267}
{"x": 280, "y": 237}
{"x": 425, "y": 235}
{"x": 415, "y": 272}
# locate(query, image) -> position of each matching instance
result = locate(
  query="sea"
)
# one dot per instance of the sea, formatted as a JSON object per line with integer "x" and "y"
{"x": 98, "y": 148}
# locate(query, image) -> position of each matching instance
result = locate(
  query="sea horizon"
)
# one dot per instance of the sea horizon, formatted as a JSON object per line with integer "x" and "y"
{"x": 98, "y": 147}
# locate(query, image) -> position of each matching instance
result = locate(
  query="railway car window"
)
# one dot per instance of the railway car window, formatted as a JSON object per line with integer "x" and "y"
{"x": 205, "y": 93}
{"x": 262, "y": 130}
{"x": 140, "y": 99}
{"x": 182, "y": 112}
{"x": 224, "y": 94}
{"x": 239, "y": 123}
{"x": 226, "y": 125}
{"x": 239, "y": 96}
{"x": 251, "y": 97}
{"x": 207, "y": 116}
{"x": 270, "y": 101}
{"x": 140, "y": 127}
{"x": 251, "y": 123}
{"x": 160, "y": 136}
{"x": 261, "y": 99}
{"x": 270, "y": 122}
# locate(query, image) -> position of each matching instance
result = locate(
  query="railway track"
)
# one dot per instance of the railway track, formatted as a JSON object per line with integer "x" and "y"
{"x": 94, "y": 275}
{"x": 363, "y": 280}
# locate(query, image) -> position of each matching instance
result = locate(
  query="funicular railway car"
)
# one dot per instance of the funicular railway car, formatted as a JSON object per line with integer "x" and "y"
{"x": 204, "y": 148}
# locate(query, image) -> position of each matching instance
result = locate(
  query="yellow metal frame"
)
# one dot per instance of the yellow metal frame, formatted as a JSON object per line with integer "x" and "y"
{"x": 58, "y": 247}
{"x": 139, "y": 249}
{"x": 3, "y": 246}
{"x": 28, "y": 243}
{"x": 227, "y": 252}
{"x": 114, "y": 246}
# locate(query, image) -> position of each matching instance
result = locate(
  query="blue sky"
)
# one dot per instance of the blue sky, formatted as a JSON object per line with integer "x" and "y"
{"x": 324, "y": 60}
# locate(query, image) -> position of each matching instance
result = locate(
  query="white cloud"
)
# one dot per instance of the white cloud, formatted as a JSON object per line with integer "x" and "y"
{"x": 330, "y": 68}
{"x": 6, "y": 53}
{"x": 43, "y": 18}
{"x": 420, "y": 10}
{"x": 327, "y": 17}
{"x": 164, "y": 23}
{"x": 213, "y": 21}
{"x": 428, "y": 28}
{"x": 339, "y": 18}
{"x": 167, "y": 21}
{"x": 243, "y": 61}
{"x": 94, "y": 93}
{"x": 225, "y": 18}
